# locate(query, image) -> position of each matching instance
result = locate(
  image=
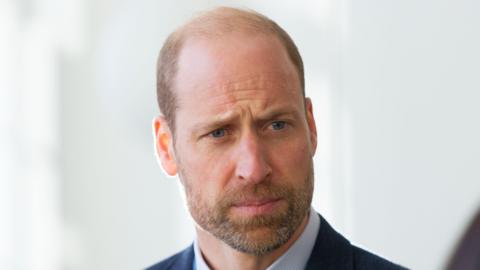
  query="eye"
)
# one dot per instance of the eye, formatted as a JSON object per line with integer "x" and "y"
{"x": 218, "y": 133}
{"x": 277, "y": 125}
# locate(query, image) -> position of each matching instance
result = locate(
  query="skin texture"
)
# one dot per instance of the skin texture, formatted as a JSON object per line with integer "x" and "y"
{"x": 243, "y": 148}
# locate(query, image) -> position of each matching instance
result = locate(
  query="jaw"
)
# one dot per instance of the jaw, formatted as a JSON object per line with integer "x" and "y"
{"x": 220, "y": 255}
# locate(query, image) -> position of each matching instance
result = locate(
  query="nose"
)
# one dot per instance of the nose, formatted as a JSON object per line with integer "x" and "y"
{"x": 252, "y": 164}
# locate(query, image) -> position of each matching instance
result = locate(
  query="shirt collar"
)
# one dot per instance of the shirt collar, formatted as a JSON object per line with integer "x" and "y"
{"x": 198, "y": 263}
{"x": 296, "y": 256}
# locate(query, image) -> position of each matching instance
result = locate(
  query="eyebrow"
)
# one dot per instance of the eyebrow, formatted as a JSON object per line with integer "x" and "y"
{"x": 277, "y": 113}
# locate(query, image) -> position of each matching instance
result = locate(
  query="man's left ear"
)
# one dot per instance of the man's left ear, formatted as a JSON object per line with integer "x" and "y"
{"x": 164, "y": 145}
{"x": 311, "y": 124}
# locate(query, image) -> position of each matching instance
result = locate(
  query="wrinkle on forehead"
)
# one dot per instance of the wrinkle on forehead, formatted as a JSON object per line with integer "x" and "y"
{"x": 217, "y": 76}
{"x": 266, "y": 86}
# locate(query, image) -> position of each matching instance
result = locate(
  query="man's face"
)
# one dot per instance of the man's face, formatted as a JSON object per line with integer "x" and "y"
{"x": 244, "y": 141}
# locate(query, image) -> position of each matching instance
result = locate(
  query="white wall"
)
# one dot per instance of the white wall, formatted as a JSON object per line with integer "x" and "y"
{"x": 411, "y": 91}
{"x": 394, "y": 89}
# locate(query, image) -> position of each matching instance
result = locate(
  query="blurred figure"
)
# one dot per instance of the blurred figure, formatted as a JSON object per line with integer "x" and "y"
{"x": 467, "y": 254}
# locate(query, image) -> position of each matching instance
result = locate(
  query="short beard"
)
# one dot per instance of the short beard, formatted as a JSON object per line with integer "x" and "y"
{"x": 241, "y": 234}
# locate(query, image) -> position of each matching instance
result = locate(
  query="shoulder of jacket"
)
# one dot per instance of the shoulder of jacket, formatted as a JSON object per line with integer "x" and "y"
{"x": 364, "y": 259}
{"x": 183, "y": 258}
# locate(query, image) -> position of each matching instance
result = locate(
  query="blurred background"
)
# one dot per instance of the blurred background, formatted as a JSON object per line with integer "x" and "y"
{"x": 395, "y": 87}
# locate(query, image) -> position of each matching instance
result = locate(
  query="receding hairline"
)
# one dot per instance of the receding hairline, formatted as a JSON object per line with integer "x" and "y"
{"x": 211, "y": 25}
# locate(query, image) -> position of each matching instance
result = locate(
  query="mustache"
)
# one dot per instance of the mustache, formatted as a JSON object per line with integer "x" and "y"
{"x": 257, "y": 192}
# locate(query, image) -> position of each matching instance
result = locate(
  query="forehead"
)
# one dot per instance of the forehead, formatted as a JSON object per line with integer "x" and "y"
{"x": 236, "y": 67}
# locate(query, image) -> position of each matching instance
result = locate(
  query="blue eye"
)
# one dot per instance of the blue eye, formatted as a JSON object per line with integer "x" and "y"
{"x": 277, "y": 125}
{"x": 218, "y": 133}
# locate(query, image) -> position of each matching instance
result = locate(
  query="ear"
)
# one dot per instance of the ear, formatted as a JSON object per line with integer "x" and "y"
{"x": 164, "y": 145}
{"x": 311, "y": 124}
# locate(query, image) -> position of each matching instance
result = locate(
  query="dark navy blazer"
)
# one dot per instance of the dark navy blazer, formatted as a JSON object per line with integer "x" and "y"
{"x": 330, "y": 252}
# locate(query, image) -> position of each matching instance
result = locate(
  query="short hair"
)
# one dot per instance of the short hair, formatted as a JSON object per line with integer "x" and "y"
{"x": 214, "y": 23}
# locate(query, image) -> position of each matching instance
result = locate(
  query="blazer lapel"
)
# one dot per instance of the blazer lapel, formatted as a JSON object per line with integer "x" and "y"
{"x": 184, "y": 260}
{"x": 331, "y": 250}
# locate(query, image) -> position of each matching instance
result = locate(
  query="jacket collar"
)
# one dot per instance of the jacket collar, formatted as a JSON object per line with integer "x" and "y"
{"x": 184, "y": 260}
{"x": 331, "y": 250}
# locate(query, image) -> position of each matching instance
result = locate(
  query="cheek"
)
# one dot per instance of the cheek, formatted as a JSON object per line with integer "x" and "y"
{"x": 205, "y": 173}
{"x": 292, "y": 158}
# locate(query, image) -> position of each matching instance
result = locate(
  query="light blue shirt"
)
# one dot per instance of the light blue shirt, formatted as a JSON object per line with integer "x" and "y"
{"x": 296, "y": 256}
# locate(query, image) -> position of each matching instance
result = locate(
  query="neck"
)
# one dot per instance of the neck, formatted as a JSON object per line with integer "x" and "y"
{"x": 219, "y": 255}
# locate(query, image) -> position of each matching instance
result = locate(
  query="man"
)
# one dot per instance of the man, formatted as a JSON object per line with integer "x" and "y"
{"x": 238, "y": 130}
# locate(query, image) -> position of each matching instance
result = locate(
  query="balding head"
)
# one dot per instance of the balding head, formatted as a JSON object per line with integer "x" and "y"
{"x": 213, "y": 25}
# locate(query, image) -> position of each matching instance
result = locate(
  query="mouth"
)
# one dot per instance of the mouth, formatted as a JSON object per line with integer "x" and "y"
{"x": 257, "y": 207}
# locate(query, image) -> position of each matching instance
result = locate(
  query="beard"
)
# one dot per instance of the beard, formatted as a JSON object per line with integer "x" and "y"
{"x": 257, "y": 234}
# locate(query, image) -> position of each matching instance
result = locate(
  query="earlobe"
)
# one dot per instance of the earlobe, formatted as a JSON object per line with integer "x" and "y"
{"x": 311, "y": 124}
{"x": 164, "y": 145}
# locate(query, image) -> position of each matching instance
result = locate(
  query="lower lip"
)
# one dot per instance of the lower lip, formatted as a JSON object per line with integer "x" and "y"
{"x": 260, "y": 209}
